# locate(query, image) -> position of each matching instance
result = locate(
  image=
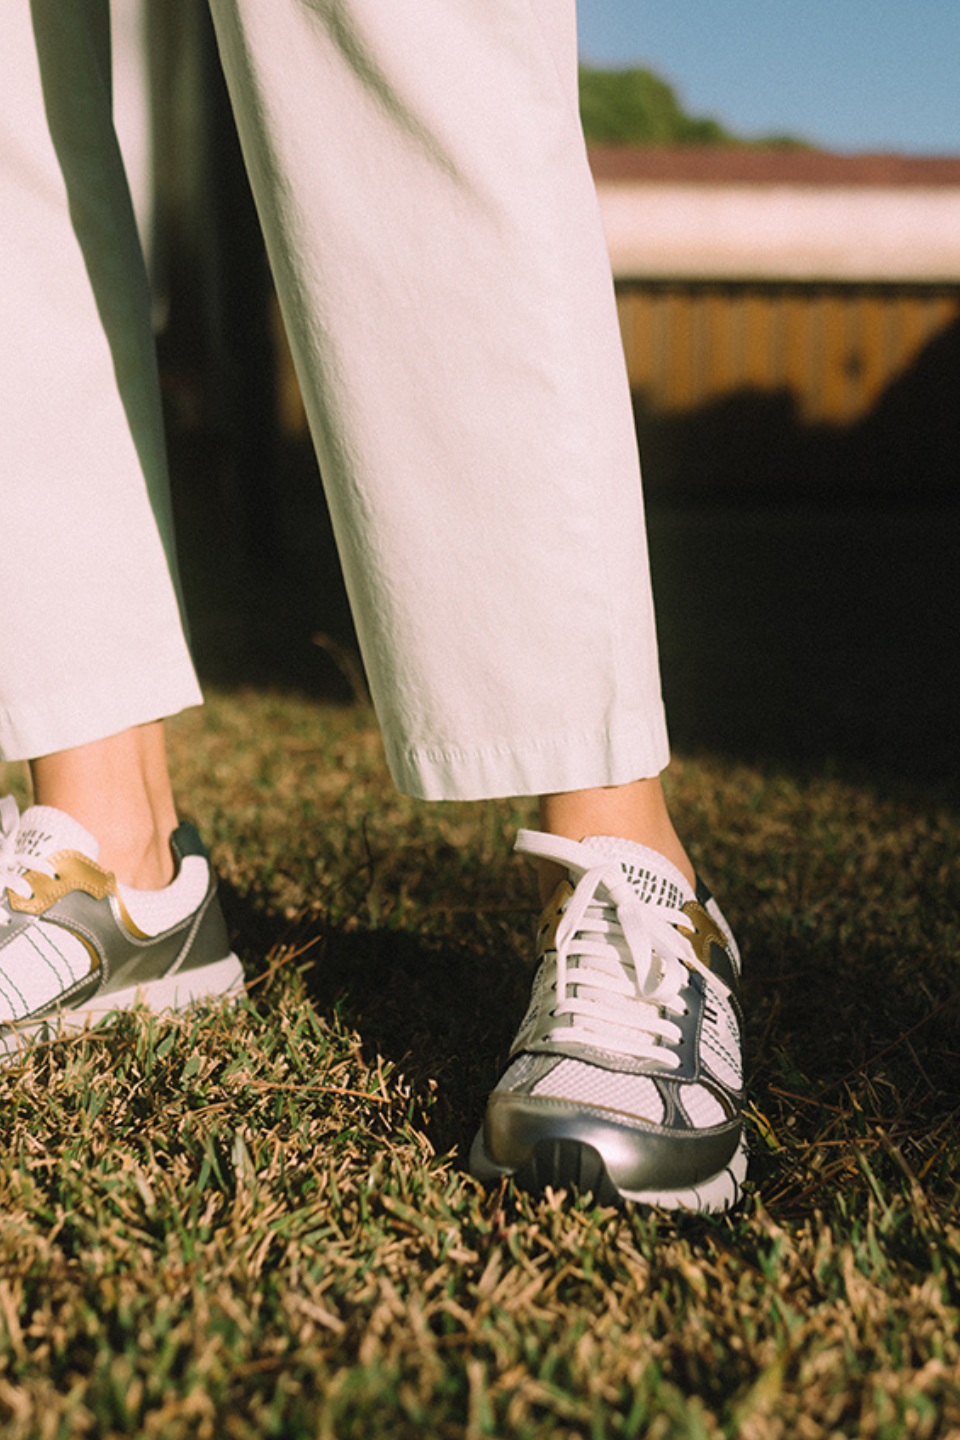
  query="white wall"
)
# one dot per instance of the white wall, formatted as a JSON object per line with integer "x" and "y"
{"x": 779, "y": 232}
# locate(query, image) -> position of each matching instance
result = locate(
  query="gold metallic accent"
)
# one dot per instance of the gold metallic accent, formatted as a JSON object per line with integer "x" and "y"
{"x": 550, "y": 918}
{"x": 131, "y": 925}
{"x": 72, "y": 871}
{"x": 94, "y": 957}
{"x": 721, "y": 1097}
{"x": 706, "y": 931}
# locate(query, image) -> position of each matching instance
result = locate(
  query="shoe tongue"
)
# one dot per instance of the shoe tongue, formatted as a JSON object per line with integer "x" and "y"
{"x": 44, "y": 831}
{"x": 656, "y": 880}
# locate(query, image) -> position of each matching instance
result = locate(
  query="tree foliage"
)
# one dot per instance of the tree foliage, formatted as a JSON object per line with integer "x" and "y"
{"x": 638, "y": 107}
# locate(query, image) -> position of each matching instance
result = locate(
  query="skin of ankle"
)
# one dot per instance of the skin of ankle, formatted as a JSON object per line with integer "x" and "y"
{"x": 119, "y": 789}
{"x": 635, "y": 811}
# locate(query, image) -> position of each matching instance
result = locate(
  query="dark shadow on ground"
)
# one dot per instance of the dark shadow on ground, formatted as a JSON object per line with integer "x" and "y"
{"x": 422, "y": 1003}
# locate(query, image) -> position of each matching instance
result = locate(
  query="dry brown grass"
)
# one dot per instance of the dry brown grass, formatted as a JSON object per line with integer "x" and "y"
{"x": 257, "y": 1223}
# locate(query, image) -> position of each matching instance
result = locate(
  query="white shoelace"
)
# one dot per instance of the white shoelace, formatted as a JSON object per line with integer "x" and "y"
{"x": 149, "y": 911}
{"x": 621, "y": 963}
{"x": 12, "y": 873}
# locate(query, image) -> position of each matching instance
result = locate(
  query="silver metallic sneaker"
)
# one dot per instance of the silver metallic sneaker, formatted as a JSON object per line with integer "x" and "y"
{"x": 625, "y": 1078}
{"x": 75, "y": 945}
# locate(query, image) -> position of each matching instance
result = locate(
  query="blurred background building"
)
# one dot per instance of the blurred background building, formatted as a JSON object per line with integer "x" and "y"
{"x": 790, "y": 317}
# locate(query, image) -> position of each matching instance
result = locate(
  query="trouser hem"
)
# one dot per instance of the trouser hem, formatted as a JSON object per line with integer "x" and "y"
{"x": 575, "y": 760}
{"x": 69, "y": 718}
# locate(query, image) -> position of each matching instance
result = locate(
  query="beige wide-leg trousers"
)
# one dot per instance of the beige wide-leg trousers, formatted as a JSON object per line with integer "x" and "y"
{"x": 429, "y": 212}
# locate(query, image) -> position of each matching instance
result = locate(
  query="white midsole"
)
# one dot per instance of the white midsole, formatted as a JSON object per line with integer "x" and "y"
{"x": 223, "y": 979}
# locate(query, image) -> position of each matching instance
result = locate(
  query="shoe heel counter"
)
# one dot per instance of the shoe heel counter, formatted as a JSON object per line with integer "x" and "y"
{"x": 211, "y": 940}
{"x": 185, "y": 841}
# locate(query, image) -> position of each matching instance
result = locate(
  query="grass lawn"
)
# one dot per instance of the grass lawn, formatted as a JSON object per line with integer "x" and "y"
{"x": 257, "y": 1223}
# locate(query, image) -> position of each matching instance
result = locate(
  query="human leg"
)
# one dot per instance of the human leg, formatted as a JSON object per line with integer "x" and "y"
{"x": 118, "y": 788}
{"x": 636, "y": 811}
{"x": 432, "y": 226}
{"x": 92, "y": 649}
{"x": 92, "y": 641}
{"x": 437, "y": 245}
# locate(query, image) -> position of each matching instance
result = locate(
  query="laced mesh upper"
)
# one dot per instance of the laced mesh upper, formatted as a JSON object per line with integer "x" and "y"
{"x": 627, "y": 1062}
{"x": 621, "y": 963}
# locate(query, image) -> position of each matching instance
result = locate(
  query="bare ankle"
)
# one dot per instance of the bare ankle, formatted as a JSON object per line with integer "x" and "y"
{"x": 145, "y": 864}
{"x": 636, "y": 811}
{"x": 118, "y": 788}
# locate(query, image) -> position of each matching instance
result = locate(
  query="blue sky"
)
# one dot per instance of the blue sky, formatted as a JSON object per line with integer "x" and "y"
{"x": 847, "y": 74}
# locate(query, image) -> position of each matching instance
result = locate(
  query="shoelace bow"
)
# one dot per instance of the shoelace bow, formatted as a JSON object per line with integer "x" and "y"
{"x": 12, "y": 871}
{"x": 621, "y": 963}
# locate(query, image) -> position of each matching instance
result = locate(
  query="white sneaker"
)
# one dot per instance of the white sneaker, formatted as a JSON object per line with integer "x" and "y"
{"x": 75, "y": 945}
{"x": 625, "y": 1077}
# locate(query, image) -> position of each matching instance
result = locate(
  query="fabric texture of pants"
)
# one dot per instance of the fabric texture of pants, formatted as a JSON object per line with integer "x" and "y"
{"x": 430, "y": 217}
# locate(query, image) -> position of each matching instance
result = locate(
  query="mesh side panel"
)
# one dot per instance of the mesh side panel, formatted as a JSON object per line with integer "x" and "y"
{"x": 720, "y": 1042}
{"x": 703, "y": 1109}
{"x": 524, "y": 1068}
{"x": 635, "y": 1095}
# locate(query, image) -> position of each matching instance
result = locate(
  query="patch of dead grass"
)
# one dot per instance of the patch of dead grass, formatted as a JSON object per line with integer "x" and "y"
{"x": 256, "y": 1223}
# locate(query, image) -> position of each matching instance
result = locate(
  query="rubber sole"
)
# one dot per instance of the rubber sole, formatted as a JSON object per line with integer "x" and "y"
{"x": 574, "y": 1165}
{"x": 221, "y": 980}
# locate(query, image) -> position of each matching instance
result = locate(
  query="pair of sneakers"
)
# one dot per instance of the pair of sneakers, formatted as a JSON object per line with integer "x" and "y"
{"x": 624, "y": 1079}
